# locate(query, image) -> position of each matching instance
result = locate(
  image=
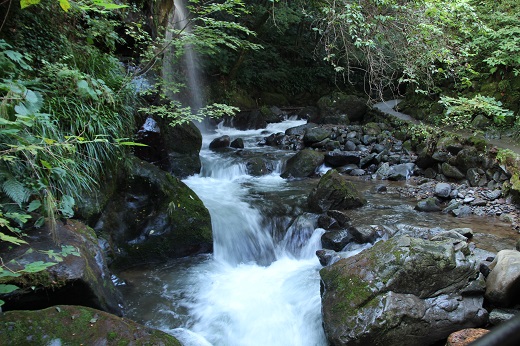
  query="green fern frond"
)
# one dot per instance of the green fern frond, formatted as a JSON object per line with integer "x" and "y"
{"x": 16, "y": 191}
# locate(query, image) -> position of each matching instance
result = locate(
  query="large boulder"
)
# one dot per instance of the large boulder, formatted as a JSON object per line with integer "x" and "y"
{"x": 174, "y": 149}
{"x": 303, "y": 164}
{"x": 403, "y": 291}
{"x": 334, "y": 192}
{"x": 152, "y": 217}
{"x": 76, "y": 325}
{"x": 338, "y": 158}
{"x": 503, "y": 283}
{"x": 315, "y": 134}
{"x": 339, "y": 108}
{"x": 82, "y": 278}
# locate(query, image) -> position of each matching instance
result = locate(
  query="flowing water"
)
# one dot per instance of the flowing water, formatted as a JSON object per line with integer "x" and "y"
{"x": 261, "y": 284}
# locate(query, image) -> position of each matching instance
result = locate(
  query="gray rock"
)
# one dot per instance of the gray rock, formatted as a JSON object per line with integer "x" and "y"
{"x": 220, "y": 142}
{"x": 334, "y": 192}
{"x": 336, "y": 240}
{"x": 403, "y": 291}
{"x": 498, "y": 316}
{"x": 357, "y": 172}
{"x": 466, "y": 232}
{"x": 401, "y": 172}
{"x": 363, "y": 234}
{"x": 327, "y": 257}
{"x": 495, "y": 194}
{"x": 350, "y": 146}
{"x": 303, "y": 164}
{"x": 451, "y": 171}
{"x": 476, "y": 177}
{"x": 299, "y": 130}
{"x": 428, "y": 205}
{"x": 462, "y": 211}
{"x": 503, "y": 283}
{"x": 315, "y": 134}
{"x": 442, "y": 190}
{"x": 341, "y": 158}
{"x": 238, "y": 143}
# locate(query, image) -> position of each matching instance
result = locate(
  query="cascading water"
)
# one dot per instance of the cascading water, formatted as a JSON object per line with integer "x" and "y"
{"x": 257, "y": 288}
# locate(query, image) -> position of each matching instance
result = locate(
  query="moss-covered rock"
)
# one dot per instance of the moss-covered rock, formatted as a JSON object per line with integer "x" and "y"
{"x": 154, "y": 216}
{"x": 303, "y": 164}
{"x": 80, "y": 280}
{"x": 334, "y": 192}
{"x": 404, "y": 291}
{"x": 74, "y": 325}
{"x": 182, "y": 144}
{"x": 338, "y": 104}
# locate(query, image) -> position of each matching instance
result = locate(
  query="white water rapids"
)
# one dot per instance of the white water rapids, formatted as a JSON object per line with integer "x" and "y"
{"x": 260, "y": 286}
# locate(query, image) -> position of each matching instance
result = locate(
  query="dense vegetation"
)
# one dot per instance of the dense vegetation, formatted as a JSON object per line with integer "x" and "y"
{"x": 69, "y": 108}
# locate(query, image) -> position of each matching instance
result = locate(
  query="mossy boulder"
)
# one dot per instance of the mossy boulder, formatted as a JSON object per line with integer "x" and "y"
{"x": 315, "y": 134}
{"x": 75, "y": 325}
{"x": 404, "y": 291}
{"x": 80, "y": 280}
{"x": 340, "y": 108}
{"x": 153, "y": 217}
{"x": 303, "y": 164}
{"x": 334, "y": 192}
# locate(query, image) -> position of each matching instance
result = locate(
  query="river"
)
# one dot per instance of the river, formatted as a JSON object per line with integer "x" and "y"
{"x": 261, "y": 285}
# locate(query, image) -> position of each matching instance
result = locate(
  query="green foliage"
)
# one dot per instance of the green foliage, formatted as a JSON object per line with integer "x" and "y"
{"x": 461, "y": 111}
{"x": 178, "y": 114}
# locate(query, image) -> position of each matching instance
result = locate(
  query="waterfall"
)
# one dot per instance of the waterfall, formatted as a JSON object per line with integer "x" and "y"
{"x": 188, "y": 66}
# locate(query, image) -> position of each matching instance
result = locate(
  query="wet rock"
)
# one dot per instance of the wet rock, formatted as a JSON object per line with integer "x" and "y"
{"x": 238, "y": 143}
{"x": 299, "y": 130}
{"x": 257, "y": 166}
{"x": 476, "y": 177}
{"x": 503, "y": 283}
{"x": 76, "y": 325}
{"x": 81, "y": 280}
{"x": 428, "y": 205}
{"x": 493, "y": 195}
{"x": 498, "y": 316}
{"x": 357, "y": 172}
{"x": 315, "y": 134}
{"x": 275, "y": 139}
{"x": 442, "y": 190}
{"x": 465, "y": 337}
{"x": 182, "y": 144}
{"x": 462, "y": 211}
{"x": 220, "y": 142}
{"x": 353, "y": 107}
{"x": 336, "y": 240}
{"x": 303, "y": 164}
{"x": 401, "y": 172}
{"x": 467, "y": 158}
{"x": 249, "y": 120}
{"x": 168, "y": 219}
{"x": 440, "y": 156}
{"x": 403, "y": 291}
{"x": 339, "y": 216}
{"x": 341, "y": 158}
{"x": 327, "y": 257}
{"x": 466, "y": 232}
{"x": 363, "y": 234}
{"x": 380, "y": 188}
{"x": 350, "y": 146}
{"x": 334, "y": 192}
{"x": 328, "y": 223}
{"x": 451, "y": 171}
{"x": 368, "y": 160}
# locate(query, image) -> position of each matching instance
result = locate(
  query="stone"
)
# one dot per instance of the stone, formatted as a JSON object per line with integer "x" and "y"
{"x": 495, "y": 194}
{"x": 403, "y": 291}
{"x": 336, "y": 240}
{"x": 238, "y": 143}
{"x": 248, "y": 120}
{"x": 498, "y": 316}
{"x": 467, "y": 232}
{"x": 465, "y": 337}
{"x": 299, "y": 130}
{"x": 357, "y": 172}
{"x": 401, "y": 171}
{"x": 334, "y": 192}
{"x": 220, "y": 142}
{"x": 257, "y": 166}
{"x": 363, "y": 234}
{"x": 82, "y": 279}
{"x": 462, "y": 211}
{"x": 503, "y": 283}
{"x": 428, "y": 205}
{"x": 341, "y": 158}
{"x": 451, "y": 171}
{"x": 327, "y": 257}
{"x": 467, "y": 158}
{"x": 442, "y": 190}
{"x": 168, "y": 220}
{"x": 303, "y": 164}
{"x": 353, "y": 107}
{"x": 372, "y": 129}
{"x": 315, "y": 134}
{"x": 341, "y": 217}
{"x": 476, "y": 177}
{"x": 77, "y": 325}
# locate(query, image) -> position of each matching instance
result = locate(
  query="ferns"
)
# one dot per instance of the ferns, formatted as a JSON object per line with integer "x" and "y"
{"x": 16, "y": 191}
